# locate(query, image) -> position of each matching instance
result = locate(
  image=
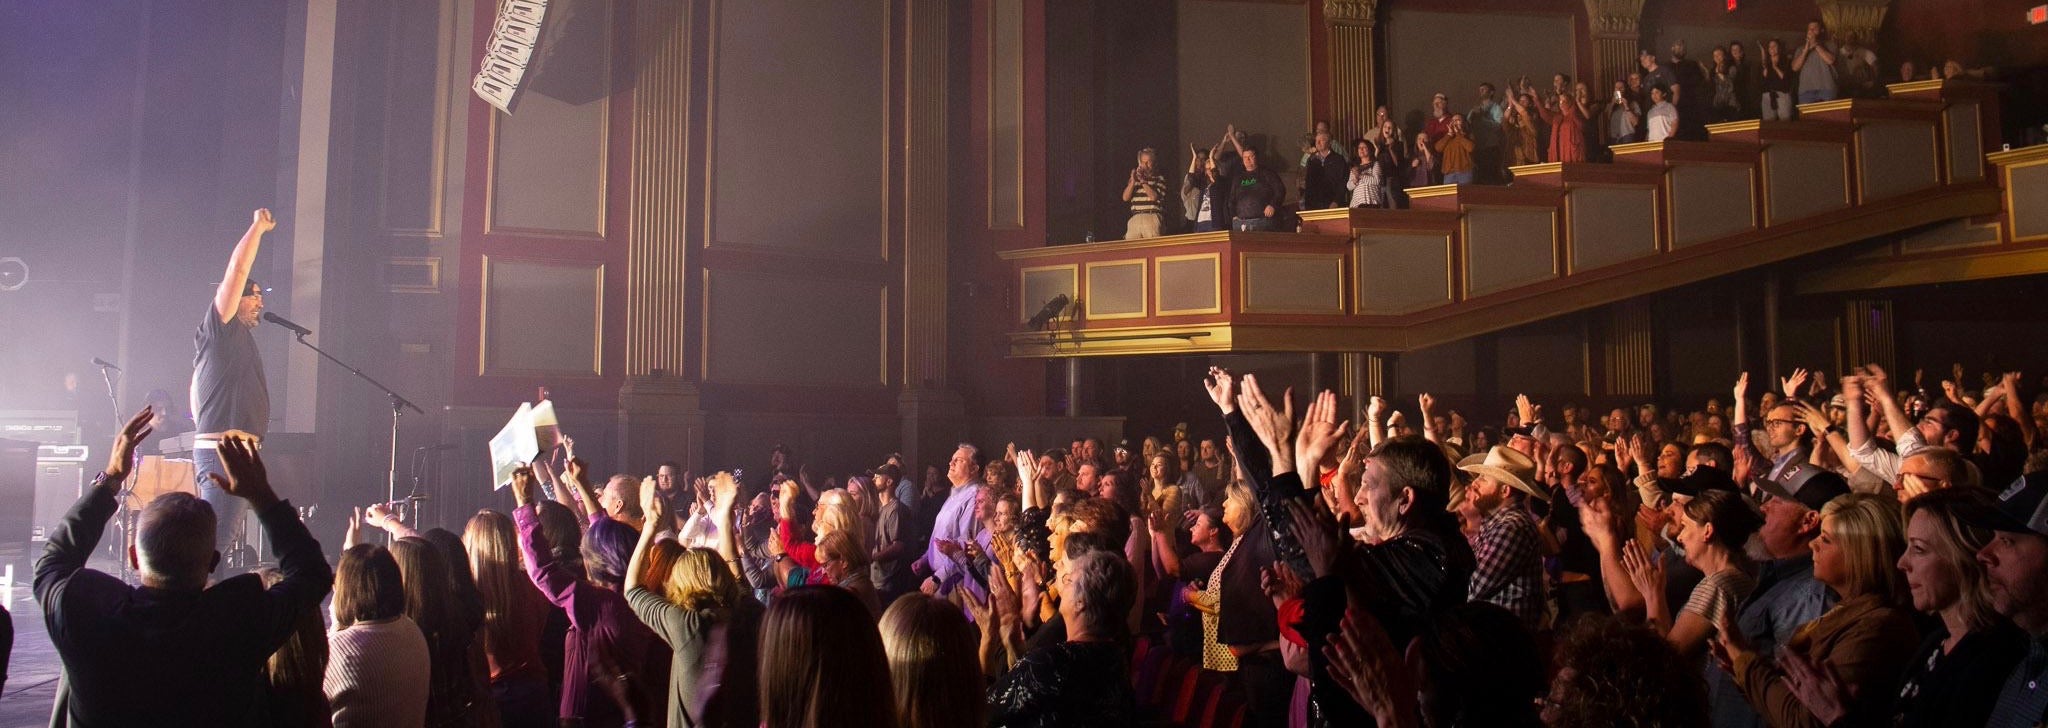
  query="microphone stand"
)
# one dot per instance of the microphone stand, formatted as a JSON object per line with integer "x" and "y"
{"x": 398, "y": 406}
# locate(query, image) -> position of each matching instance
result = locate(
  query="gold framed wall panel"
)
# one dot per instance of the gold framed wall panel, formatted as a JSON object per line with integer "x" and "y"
{"x": 1251, "y": 289}
{"x": 1365, "y": 273}
{"x": 526, "y": 312}
{"x": 1094, "y": 297}
{"x": 492, "y": 165}
{"x": 412, "y": 274}
{"x": 437, "y": 162}
{"x": 1160, "y": 280}
{"x": 1770, "y": 184}
{"x": 1573, "y": 218}
{"x": 1750, "y": 192}
{"x": 1038, "y": 284}
{"x": 1961, "y": 123}
{"x": 2033, "y": 175}
{"x": 1865, "y": 148}
{"x": 1465, "y": 257}
{"x": 712, "y": 154}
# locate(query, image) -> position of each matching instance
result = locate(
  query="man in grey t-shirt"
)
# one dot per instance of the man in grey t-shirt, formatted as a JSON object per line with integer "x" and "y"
{"x": 1815, "y": 64}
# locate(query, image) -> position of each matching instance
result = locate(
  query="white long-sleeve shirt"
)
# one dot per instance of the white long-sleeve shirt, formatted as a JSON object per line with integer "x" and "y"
{"x": 1885, "y": 464}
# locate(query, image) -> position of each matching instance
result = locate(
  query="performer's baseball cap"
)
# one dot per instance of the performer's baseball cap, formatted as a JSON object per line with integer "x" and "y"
{"x": 2022, "y": 507}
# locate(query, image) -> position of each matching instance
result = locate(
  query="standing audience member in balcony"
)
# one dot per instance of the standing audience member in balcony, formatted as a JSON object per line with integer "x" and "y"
{"x": 1255, "y": 195}
{"x": 1438, "y": 122}
{"x": 1393, "y": 155}
{"x": 1200, "y": 187}
{"x": 1748, "y": 80}
{"x": 1519, "y": 126}
{"x": 1367, "y": 183}
{"x": 1662, "y": 123}
{"x": 1456, "y": 149}
{"x": 1623, "y": 116}
{"x": 1778, "y": 83}
{"x": 1856, "y": 69}
{"x": 1722, "y": 73}
{"x": 1907, "y": 72}
{"x": 1145, "y": 190}
{"x": 1693, "y": 94}
{"x": 1383, "y": 129}
{"x": 1483, "y": 124}
{"x": 1323, "y": 172}
{"x": 1422, "y": 167}
{"x": 1815, "y": 64}
{"x": 1656, "y": 74}
{"x": 1567, "y": 120}
{"x": 1192, "y": 192}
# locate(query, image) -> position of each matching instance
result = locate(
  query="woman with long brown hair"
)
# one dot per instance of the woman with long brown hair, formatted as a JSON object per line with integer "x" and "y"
{"x": 822, "y": 664}
{"x": 431, "y": 603}
{"x": 931, "y": 650}
{"x": 296, "y": 669}
{"x": 514, "y": 614}
{"x": 377, "y": 669}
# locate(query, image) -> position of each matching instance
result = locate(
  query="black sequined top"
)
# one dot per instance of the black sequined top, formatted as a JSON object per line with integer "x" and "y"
{"x": 1067, "y": 684}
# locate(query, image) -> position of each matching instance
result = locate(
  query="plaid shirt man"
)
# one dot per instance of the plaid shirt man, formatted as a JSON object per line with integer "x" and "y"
{"x": 1510, "y": 572}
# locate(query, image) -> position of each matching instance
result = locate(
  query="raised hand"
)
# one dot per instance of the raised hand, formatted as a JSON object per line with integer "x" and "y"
{"x": 1852, "y": 388}
{"x": 653, "y": 506}
{"x": 1027, "y": 468}
{"x": 261, "y": 221}
{"x": 352, "y": 533}
{"x": 1742, "y": 387}
{"x": 1275, "y": 427}
{"x": 377, "y": 515}
{"x": 1597, "y": 520}
{"x": 1820, "y": 383}
{"x": 1222, "y": 389}
{"x": 246, "y": 478}
{"x": 1791, "y": 385}
{"x": 574, "y": 468}
{"x": 522, "y": 486}
{"x": 1816, "y": 420}
{"x": 1320, "y": 432}
{"x": 122, "y": 454}
{"x": 1376, "y": 409}
{"x": 1526, "y": 410}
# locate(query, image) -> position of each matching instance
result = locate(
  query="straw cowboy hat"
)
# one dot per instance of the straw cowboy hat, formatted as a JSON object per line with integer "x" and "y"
{"x": 1506, "y": 465}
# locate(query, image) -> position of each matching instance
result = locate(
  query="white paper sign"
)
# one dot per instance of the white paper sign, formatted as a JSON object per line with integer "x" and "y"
{"x": 516, "y": 444}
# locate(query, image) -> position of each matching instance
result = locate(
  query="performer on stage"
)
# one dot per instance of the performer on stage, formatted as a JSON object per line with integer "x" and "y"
{"x": 228, "y": 389}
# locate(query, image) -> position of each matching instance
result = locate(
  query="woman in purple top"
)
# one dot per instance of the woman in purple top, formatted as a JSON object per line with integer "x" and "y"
{"x": 608, "y": 651}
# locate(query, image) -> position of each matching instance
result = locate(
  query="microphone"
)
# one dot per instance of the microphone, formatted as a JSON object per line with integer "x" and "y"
{"x": 287, "y": 323}
{"x": 104, "y": 364}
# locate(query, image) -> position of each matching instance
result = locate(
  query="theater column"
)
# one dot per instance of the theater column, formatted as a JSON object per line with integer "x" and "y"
{"x": 1617, "y": 37}
{"x": 1348, "y": 45}
{"x": 1857, "y": 19}
{"x": 660, "y": 416}
{"x": 932, "y": 415}
{"x": 1626, "y": 362}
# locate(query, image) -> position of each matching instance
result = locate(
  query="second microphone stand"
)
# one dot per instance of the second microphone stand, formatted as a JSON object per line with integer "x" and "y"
{"x": 398, "y": 406}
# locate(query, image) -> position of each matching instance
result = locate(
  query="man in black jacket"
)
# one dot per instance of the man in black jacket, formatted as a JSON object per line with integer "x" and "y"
{"x": 174, "y": 651}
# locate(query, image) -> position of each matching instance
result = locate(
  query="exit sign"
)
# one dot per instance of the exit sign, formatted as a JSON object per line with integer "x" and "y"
{"x": 2035, "y": 15}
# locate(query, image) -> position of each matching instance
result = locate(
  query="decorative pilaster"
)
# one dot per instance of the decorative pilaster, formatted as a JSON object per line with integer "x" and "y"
{"x": 1867, "y": 327}
{"x": 1364, "y": 376}
{"x": 931, "y": 414}
{"x": 1351, "y": 54}
{"x": 1626, "y": 350}
{"x": 660, "y": 417}
{"x": 1617, "y": 38}
{"x": 1853, "y": 19}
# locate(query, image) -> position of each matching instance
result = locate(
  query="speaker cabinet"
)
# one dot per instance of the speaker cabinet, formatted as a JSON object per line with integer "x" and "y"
{"x": 17, "y": 489}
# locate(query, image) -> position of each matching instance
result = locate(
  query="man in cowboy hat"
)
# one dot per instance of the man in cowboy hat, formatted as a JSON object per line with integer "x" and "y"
{"x": 1508, "y": 548}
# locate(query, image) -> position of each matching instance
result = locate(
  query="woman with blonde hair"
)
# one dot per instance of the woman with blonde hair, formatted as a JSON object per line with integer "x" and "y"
{"x": 931, "y": 650}
{"x": 843, "y": 563}
{"x": 1867, "y": 639}
{"x": 697, "y": 606}
{"x": 514, "y": 614}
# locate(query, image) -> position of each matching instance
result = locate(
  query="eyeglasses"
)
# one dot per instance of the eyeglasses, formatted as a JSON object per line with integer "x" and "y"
{"x": 1787, "y": 423}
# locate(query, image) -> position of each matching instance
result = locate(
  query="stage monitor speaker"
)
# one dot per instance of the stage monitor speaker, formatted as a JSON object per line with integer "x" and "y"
{"x": 17, "y": 489}
{"x": 60, "y": 480}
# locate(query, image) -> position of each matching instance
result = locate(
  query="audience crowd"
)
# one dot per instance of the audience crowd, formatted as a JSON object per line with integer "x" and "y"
{"x": 1864, "y": 554}
{"x": 1233, "y": 185}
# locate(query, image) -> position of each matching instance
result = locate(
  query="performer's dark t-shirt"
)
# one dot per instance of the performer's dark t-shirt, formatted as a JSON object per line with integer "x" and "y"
{"x": 228, "y": 390}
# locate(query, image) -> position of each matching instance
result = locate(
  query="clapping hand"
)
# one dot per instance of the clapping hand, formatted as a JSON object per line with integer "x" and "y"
{"x": 1322, "y": 537}
{"x": 725, "y": 496}
{"x": 1816, "y": 420}
{"x": 1816, "y": 684}
{"x": 1364, "y": 662}
{"x": 1222, "y": 389}
{"x": 1275, "y": 427}
{"x": 653, "y": 506}
{"x": 1320, "y": 432}
{"x": 1644, "y": 571}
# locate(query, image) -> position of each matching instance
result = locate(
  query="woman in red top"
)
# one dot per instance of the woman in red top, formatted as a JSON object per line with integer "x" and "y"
{"x": 1567, "y": 127}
